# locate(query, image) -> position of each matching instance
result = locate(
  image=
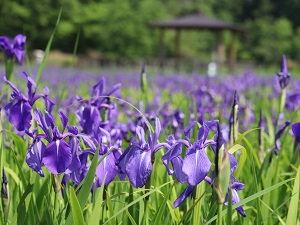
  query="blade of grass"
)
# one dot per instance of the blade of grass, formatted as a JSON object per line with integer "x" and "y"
{"x": 135, "y": 201}
{"x": 159, "y": 213}
{"x": 75, "y": 47}
{"x": 294, "y": 204}
{"x": 75, "y": 208}
{"x": 252, "y": 197}
{"x": 242, "y": 160}
{"x": 47, "y": 50}
{"x": 110, "y": 209}
{"x": 130, "y": 217}
{"x": 273, "y": 211}
{"x": 229, "y": 208}
{"x": 95, "y": 216}
{"x": 87, "y": 185}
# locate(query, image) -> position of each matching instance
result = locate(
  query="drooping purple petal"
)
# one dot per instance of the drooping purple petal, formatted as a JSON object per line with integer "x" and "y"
{"x": 235, "y": 199}
{"x": 156, "y": 132}
{"x": 108, "y": 169}
{"x": 40, "y": 120}
{"x": 64, "y": 120}
{"x": 186, "y": 193}
{"x": 139, "y": 168}
{"x": 19, "y": 114}
{"x": 125, "y": 157}
{"x": 140, "y": 135}
{"x": 57, "y": 156}
{"x": 75, "y": 164}
{"x": 19, "y": 41}
{"x": 31, "y": 87}
{"x": 88, "y": 140}
{"x": 171, "y": 153}
{"x": 90, "y": 119}
{"x": 187, "y": 130}
{"x": 296, "y": 131}
{"x": 16, "y": 92}
{"x": 196, "y": 166}
{"x": 177, "y": 166}
{"x": 34, "y": 157}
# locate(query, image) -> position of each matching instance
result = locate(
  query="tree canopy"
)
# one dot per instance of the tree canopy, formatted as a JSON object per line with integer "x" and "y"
{"x": 119, "y": 28}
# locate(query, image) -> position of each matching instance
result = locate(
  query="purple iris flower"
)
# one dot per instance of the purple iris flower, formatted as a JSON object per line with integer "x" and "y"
{"x": 283, "y": 75}
{"x": 108, "y": 167}
{"x": 136, "y": 161}
{"x": 89, "y": 112}
{"x": 296, "y": 131}
{"x": 194, "y": 167}
{"x": 18, "y": 110}
{"x": 13, "y": 49}
{"x": 235, "y": 185}
{"x": 278, "y": 134}
{"x": 58, "y": 155}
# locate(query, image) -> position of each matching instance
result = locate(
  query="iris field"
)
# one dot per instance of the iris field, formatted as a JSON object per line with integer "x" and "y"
{"x": 79, "y": 147}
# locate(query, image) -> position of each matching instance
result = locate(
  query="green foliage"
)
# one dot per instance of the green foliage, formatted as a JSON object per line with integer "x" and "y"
{"x": 119, "y": 28}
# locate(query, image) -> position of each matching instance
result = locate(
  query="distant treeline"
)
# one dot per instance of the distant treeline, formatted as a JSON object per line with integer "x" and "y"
{"x": 119, "y": 28}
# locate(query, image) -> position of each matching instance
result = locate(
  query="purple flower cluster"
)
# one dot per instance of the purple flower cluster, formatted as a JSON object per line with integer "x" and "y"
{"x": 15, "y": 49}
{"x": 194, "y": 167}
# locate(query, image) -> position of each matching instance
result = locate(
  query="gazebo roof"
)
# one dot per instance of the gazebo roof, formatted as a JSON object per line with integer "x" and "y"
{"x": 197, "y": 21}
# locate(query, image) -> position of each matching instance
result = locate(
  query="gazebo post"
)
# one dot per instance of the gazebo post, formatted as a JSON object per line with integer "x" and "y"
{"x": 161, "y": 46}
{"x": 177, "y": 47}
{"x": 220, "y": 47}
{"x": 232, "y": 52}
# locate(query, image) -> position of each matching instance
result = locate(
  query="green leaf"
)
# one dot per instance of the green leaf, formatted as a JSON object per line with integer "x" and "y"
{"x": 75, "y": 207}
{"x": 86, "y": 185}
{"x": 252, "y": 197}
{"x": 21, "y": 212}
{"x": 159, "y": 213}
{"x": 229, "y": 208}
{"x": 130, "y": 217}
{"x": 135, "y": 201}
{"x": 241, "y": 136}
{"x": 294, "y": 204}
{"x": 242, "y": 160}
{"x": 110, "y": 209}
{"x": 95, "y": 216}
{"x": 47, "y": 50}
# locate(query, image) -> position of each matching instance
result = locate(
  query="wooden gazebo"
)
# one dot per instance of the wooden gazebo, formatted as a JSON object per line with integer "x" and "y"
{"x": 199, "y": 22}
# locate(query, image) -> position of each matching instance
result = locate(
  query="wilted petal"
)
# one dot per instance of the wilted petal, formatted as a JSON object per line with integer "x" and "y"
{"x": 196, "y": 166}
{"x": 57, "y": 156}
{"x": 19, "y": 114}
{"x": 139, "y": 168}
{"x": 186, "y": 193}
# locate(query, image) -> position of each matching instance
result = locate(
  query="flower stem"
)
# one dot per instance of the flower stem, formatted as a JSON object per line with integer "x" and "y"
{"x": 220, "y": 214}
